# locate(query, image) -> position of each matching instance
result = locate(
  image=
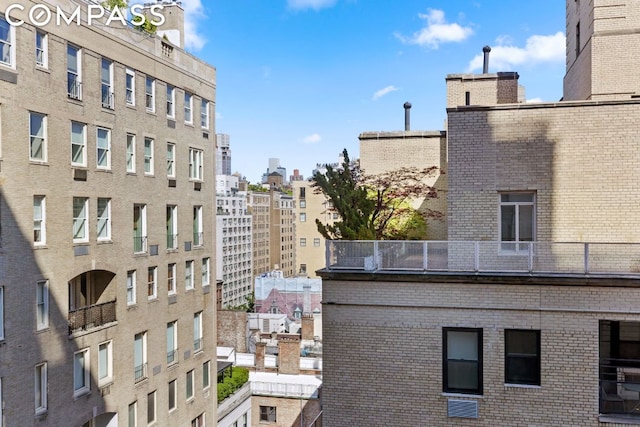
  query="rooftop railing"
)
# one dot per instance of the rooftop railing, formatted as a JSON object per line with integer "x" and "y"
{"x": 609, "y": 259}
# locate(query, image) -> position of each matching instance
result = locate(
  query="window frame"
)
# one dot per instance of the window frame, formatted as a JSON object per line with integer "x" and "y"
{"x": 132, "y": 414}
{"x": 316, "y": 242}
{"x": 172, "y": 227}
{"x": 188, "y": 275}
{"x": 150, "y": 94}
{"x": 82, "y": 374}
{"x": 33, "y": 136}
{"x": 517, "y": 244}
{"x": 172, "y": 394}
{"x": 130, "y": 87}
{"x": 204, "y": 114}
{"x": 106, "y": 83}
{"x": 171, "y": 101}
{"x": 536, "y": 376}
{"x": 188, "y": 108}
{"x": 140, "y": 247}
{"x": 142, "y": 367}
{"x": 196, "y": 162}
{"x": 39, "y": 220}
{"x": 171, "y": 278}
{"x": 103, "y": 151}
{"x": 42, "y": 305}
{"x": 171, "y": 160}
{"x": 198, "y": 226}
{"x": 103, "y": 216}
{"x": 206, "y": 375}
{"x": 303, "y": 242}
{"x": 152, "y": 410}
{"x": 40, "y": 388}
{"x": 83, "y": 220}
{"x": 446, "y": 388}
{"x": 107, "y": 364}
{"x": 206, "y": 271}
{"x": 172, "y": 338}
{"x": 190, "y": 385}
{"x": 131, "y": 287}
{"x": 42, "y": 49}
{"x": 130, "y": 153}
{"x": 82, "y": 145}
{"x": 303, "y": 217}
{"x": 74, "y": 77}
{"x": 268, "y": 414}
{"x": 197, "y": 332}
{"x": 148, "y": 156}
{"x": 152, "y": 282}
{"x": 10, "y": 41}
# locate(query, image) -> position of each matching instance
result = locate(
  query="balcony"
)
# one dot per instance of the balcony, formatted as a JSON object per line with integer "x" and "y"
{"x": 93, "y": 316}
{"x": 533, "y": 258}
{"x": 140, "y": 372}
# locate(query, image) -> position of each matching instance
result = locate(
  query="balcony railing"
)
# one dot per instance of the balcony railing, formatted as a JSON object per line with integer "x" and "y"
{"x": 608, "y": 259}
{"x": 172, "y": 241}
{"x": 198, "y": 239}
{"x": 140, "y": 244}
{"x": 93, "y": 316}
{"x": 140, "y": 372}
{"x": 620, "y": 387}
{"x": 172, "y": 356}
{"x": 197, "y": 344}
{"x": 74, "y": 86}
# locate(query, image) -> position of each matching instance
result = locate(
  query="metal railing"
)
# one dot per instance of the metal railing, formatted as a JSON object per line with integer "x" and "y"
{"x": 172, "y": 356}
{"x": 92, "y": 316}
{"x": 197, "y": 344}
{"x": 317, "y": 421}
{"x": 140, "y": 372}
{"x": 74, "y": 87}
{"x": 172, "y": 241}
{"x": 198, "y": 239}
{"x": 619, "y": 392}
{"x": 140, "y": 244}
{"x": 107, "y": 97}
{"x": 306, "y": 391}
{"x": 611, "y": 259}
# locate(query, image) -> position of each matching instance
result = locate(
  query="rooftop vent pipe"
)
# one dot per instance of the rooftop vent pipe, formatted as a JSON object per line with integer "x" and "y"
{"x": 407, "y": 121}
{"x": 485, "y": 67}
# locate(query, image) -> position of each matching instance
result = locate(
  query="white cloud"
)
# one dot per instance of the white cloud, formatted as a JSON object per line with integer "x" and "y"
{"x": 538, "y": 49}
{"x": 310, "y": 4}
{"x": 193, "y": 13}
{"x": 534, "y": 100}
{"x": 312, "y": 139}
{"x": 382, "y": 92}
{"x": 218, "y": 116}
{"x": 437, "y": 31}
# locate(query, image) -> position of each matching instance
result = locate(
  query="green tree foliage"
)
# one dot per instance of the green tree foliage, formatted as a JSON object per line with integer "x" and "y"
{"x": 376, "y": 206}
{"x": 228, "y": 385}
{"x": 248, "y": 306}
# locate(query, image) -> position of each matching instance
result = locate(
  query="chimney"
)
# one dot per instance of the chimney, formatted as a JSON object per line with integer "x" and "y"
{"x": 261, "y": 349}
{"x": 407, "y": 124}
{"x": 485, "y": 67}
{"x": 289, "y": 354}
{"x": 307, "y": 327}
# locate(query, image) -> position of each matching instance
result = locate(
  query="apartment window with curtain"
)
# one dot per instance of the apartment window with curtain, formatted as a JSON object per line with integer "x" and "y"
{"x": 130, "y": 87}
{"x": 42, "y": 49}
{"x": 42, "y": 305}
{"x": 74, "y": 72}
{"x": 152, "y": 282}
{"x": 7, "y": 43}
{"x": 198, "y": 234}
{"x": 39, "y": 220}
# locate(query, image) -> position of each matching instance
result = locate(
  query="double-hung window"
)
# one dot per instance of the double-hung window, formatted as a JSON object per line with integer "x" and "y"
{"x": 188, "y": 108}
{"x": 171, "y": 101}
{"x": 103, "y": 148}
{"x": 42, "y": 304}
{"x": 7, "y": 43}
{"x": 151, "y": 407}
{"x": 131, "y": 153}
{"x": 130, "y": 87}
{"x": 204, "y": 114}
{"x": 188, "y": 275}
{"x": 104, "y": 218}
{"x": 139, "y": 228}
{"x": 173, "y": 393}
{"x": 197, "y": 331}
{"x": 140, "y": 356}
{"x": 42, "y": 54}
{"x": 150, "y": 94}
{"x": 37, "y": 137}
{"x": 133, "y": 414}
{"x": 106, "y": 79}
{"x": 131, "y": 287}
{"x": 81, "y": 372}
{"x": 462, "y": 360}
{"x": 198, "y": 234}
{"x": 105, "y": 363}
{"x": 152, "y": 282}
{"x": 206, "y": 271}
{"x": 172, "y": 342}
{"x": 522, "y": 356}
{"x": 517, "y": 220}
{"x": 39, "y": 220}
{"x": 268, "y": 414}
{"x": 78, "y": 144}
{"x": 172, "y": 227}
{"x": 74, "y": 72}
{"x": 40, "y": 388}
{"x": 80, "y": 217}
{"x": 189, "y": 385}
{"x": 171, "y": 278}
{"x": 148, "y": 156}
{"x": 171, "y": 160}
{"x": 206, "y": 373}
{"x": 195, "y": 164}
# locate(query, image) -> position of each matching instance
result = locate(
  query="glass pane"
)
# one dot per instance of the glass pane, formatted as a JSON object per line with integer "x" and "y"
{"x": 522, "y": 370}
{"x": 462, "y": 375}
{"x": 508, "y": 223}
{"x": 137, "y": 351}
{"x": 72, "y": 59}
{"x": 525, "y": 223}
{"x": 36, "y": 124}
{"x": 103, "y": 361}
{"x": 517, "y": 197}
{"x": 78, "y": 371}
{"x": 522, "y": 342}
{"x": 462, "y": 345}
{"x": 5, "y": 53}
{"x": 4, "y": 30}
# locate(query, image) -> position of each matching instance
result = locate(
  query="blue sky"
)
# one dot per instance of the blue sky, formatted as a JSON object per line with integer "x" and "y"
{"x": 299, "y": 80}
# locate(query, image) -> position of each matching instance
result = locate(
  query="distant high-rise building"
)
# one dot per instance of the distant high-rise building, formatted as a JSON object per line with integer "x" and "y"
{"x": 223, "y": 154}
{"x": 274, "y": 166}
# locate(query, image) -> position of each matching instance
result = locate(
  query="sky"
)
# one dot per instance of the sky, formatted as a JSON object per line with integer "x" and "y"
{"x": 299, "y": 80}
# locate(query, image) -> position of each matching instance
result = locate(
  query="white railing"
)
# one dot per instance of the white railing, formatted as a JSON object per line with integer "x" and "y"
{"x": 306, "y": 391}
{"x": 610, "y": 259}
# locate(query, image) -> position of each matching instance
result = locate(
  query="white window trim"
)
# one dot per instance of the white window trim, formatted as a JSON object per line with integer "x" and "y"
{"x": 131, "y": 285}
{"x": 171, "y": 101}
{"x": 134, "y": 406}
{"x": 83, "y": 162}
{"x": 174, "y": 349}
{"x": 43, "y": 50}
{"x": 188, "y": 108}
{"x": 12, "y": 45}
{"x": 86, "y": 372}
{"x": 171, "y": 160}
{"x": 171, "y": 280}
{"x": 150, "y": 95}
{"x": 109, "y": 101}
{"x": 131, "y": 141}
{"x": 1, "y": 313}
{"x": 78, "y": 81}
{"x": 42, "y": 220}
{"x": 196, "y": 160}
{"x": 40, "y": 382}
{"x": 173, "y": 245}
{"x": 108, "y": 379}
{"x": 107, "y": 211}
{"x": 188, "y": 274}
{"x": 197, "y": 332}
{"x": 42, "y": 300}
{"x": 107, "y": 149}
{"x": 143, "y": 357}
{"x": 206, "y": 367}
{"x": 152, "y": 283}
{"x": 150, "y": 156}
{"x": 143, "y": 228}
{"x": 173, "y": 388}
{"x": 519, "y": 246}
{"x": 204, "y": 114}
{"x": 198, "y": 228}
{"x": 130, "y": 92}
{"x": 206, "y": 271}
{"x": 44, "y": 138}
{"x": 85, "y": 219}
{"x": 190, "y": 377}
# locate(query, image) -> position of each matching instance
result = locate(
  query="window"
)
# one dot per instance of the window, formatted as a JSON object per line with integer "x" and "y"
{"x": 197, "y": 331}
{"x": 522, "y": 357}
{"x": 189, "y": 385}
{"x": 7, "y": 42}
{"x": 188, "y": 108}
{"x": 198, "y": 235}
{"x": 195, "y": 164}
{"x": 206, "y": 373}
{"x": 171, "y": 100}
{"x": 578, "y": 39}
{"x": 303, "y": 241}
{"x": 139, "y": 228}
{"x": 171, "y": 160}
{"x": 171, "y": 278}
{"x": 204, "y": 114}
{"x": 172, "y": 342}
{"x": 130, "y": 87}
{"x": 140, "y": 356}
{"x": 133, "y": 414}
{"x": 151, "y": 407}
{"x": 131, "y": 287}
{"x": 303, "y": 268}
{"x": 106, "y": 78}
{"x": 172, "y": 227}
{"x": 39, "y": 220}
{"x": 148, "y": 156}
{"x": 303, "y": 203}
{"x": 1, "y": 313}
{"x": 173, "y": 389}
{"x": 206, "y": 271}
{"x": 188, "y": 275}
{"x": 316, "y": 242}
{"x": 268, "y": 414}
{"x": 81, "y": 372}
{"x": 74, "y": 72}
{"x": 80, "y": 212}
{"x": 198, "y": 421}
{"x": 37, "y": 137}
{"x": 104, "y": 218}
{"x": 103, "y": 147}
{"x": 40, "y": 388}
{"x": 303, "y": 192}
{"x": 303, "y": 217}
{"x": 462, "y": 354}
{"x": 42, "y": 305}
{"x": 131, "y": 153}
{"x": 150, "y": 94}
{"x": 42, "y": 45}
{"x": 78, "y": 144}
{"x": 517, "y": 220}
{"x": 152, "y": 282}
{"x": 105, "y": 363}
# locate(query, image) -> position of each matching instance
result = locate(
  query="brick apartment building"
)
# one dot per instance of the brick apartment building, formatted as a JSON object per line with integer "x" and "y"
{"x": 528, "y": 314}
{"x": 106, "y": 198}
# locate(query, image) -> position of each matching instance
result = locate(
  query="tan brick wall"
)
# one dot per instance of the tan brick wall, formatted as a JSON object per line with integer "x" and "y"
{"x": 288, "y": 411}
{"x": 394, "y": 351}
{"x": 232, "y": 329}
{"x": 484, "y": 89}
